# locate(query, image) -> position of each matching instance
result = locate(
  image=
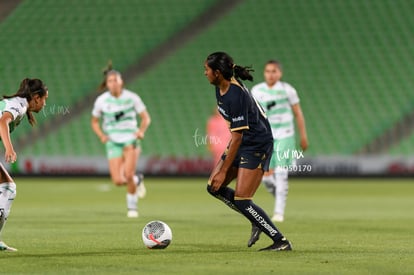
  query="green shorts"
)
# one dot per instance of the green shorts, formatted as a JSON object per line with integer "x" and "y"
{"x": 116, "y": 150}
{"x": 284, "y": 152}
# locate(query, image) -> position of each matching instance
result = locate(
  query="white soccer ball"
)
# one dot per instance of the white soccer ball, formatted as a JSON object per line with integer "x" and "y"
{"x": 156, "y": 235}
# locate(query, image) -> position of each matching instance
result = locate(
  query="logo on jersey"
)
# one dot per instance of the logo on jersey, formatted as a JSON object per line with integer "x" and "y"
{"x": 222, "y": 111}
{"x": 16, "y": 110}
{"x": 119, "y": 115}
{"x": 270, "y": 105}
{"x": 236, "y": 119}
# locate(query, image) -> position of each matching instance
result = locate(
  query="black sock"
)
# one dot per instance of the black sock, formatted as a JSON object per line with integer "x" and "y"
{"x": 258, "y": 217}
{"x": 226, "y": 195}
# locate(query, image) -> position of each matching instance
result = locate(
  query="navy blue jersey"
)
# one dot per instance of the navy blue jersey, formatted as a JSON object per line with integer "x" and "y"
{"x": 243, "y": 113}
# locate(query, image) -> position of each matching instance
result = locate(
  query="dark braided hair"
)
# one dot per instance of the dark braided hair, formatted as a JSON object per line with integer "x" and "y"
{"x": 224, "y": 63}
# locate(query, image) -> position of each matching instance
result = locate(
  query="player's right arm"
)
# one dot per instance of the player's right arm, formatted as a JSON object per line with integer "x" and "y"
{"x": 10, "y": 154}
{"x": 97, "y": 129}
{"x": 96, "y": 114}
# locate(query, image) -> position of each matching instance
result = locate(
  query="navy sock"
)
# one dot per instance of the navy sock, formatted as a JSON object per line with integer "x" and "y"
{"x": 226, "y": 195}
{"x": 258, "y": 217}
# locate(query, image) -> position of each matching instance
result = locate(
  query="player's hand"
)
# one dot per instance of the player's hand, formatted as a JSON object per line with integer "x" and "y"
{"x": 10, "y": 156}
{"x": 104, "y": 138}
{"x": 140, "y": 135}
{"x": 304, "y": 144}
{"x": 217, "y": 181}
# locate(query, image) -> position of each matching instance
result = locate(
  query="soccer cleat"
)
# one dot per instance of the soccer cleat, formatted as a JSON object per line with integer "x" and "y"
{"x": 5, "y": 247}
{"x": 282, "y": 245}
{"x": 141, "y": 190}
{"x": 255, "y": 235}
{"x": 132, "y": 214}
{"x": 278, "y": 218}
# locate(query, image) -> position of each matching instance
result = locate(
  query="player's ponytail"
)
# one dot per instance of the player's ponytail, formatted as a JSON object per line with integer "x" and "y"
{"x": 243, "y": 72}
{"x": 224, "y": 63}
{"x": 28, "y": 88}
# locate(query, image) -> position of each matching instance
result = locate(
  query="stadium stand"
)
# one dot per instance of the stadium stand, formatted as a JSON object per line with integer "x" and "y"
{"x": 351, "y": 67}
{"x": 404, "y": 148}
{"x": 338, "y": 61}
{"x": 68, "y": 43}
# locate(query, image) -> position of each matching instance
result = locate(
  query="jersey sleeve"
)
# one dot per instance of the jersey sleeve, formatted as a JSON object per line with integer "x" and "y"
{"x": 292, "y": 95}
{"x": 97, "y": 110}
{"x": 257, "y": 95}
{"x": 254, "y": 91}
{"x": 239, "y": 112}
{"x": 14, "y": 108}
{"x": 139, "y": 105}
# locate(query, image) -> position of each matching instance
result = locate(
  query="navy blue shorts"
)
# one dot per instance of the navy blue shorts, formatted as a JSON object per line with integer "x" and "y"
{"x": 249, "y": 159}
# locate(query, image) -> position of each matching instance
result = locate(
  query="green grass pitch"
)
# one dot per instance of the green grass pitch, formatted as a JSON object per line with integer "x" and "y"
{"x": 79, "y": 226}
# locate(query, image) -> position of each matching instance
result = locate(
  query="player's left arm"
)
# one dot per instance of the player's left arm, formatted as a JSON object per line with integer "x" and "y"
{"x": 145, "y": 122}
{"x": 10, "y": 154}
{"x": 239, "y": 122}
{"x": 300, "y": 121}
{"x": 218, "y": 179}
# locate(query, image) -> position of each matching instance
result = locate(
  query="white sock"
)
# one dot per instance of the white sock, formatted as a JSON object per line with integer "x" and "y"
{"x": 270, "y": 183}
{"x": 281, "y": 176}
{"x": 132, "y": 201}
{"x": 7, "y": 195}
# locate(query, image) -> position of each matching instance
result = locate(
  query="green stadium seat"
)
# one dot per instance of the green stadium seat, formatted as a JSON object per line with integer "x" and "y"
{"x": 350, "y": 61}
{"x": 67, "y": 43}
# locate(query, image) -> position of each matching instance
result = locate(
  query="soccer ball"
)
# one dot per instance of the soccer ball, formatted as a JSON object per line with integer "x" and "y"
{"x": 156, "y": 235}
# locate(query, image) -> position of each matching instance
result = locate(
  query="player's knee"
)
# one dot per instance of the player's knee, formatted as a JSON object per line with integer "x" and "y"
{"x": 118, "y": 181}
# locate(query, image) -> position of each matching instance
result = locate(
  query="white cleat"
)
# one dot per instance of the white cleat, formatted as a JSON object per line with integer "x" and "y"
{"x": 132, "y": 214}
{"x": 141, "y": 190}
{"x": 5, "y": 247}
{"x": 278, "y": 218}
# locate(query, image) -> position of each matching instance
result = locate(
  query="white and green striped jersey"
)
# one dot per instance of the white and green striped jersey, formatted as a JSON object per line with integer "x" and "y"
{"x": 17, "y": 107}
{"x": 119, "y": 115}
{"x": 277, "y": 102}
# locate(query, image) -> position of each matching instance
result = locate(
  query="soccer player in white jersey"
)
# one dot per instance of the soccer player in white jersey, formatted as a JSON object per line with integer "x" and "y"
{"x": 281, "y": 103}
{"x": 118, "y": 108}
{"x": 31, "y": 97}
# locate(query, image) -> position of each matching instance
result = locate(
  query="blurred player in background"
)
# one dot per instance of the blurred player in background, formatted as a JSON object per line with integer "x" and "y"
{"x": 118, "y": 108}
{"x": 218, "y": 135}
{"x": 31, "y": 97}
{"x": 249, "y": 150}
{"x": 281, "y": 103}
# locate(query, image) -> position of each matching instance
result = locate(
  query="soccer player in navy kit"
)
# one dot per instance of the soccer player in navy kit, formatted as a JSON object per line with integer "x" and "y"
{"x": 249, "y": 151}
